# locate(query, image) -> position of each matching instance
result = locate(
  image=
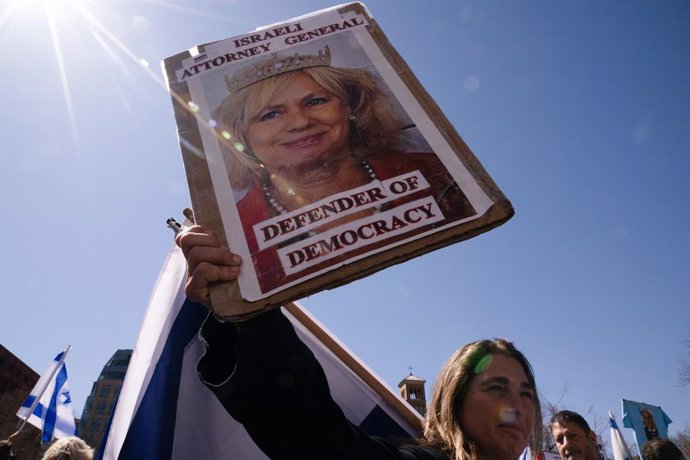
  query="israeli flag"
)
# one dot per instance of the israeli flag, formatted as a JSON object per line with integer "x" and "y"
{"x": 49, "y": 406}
{"x": 165, "y": 412}
{"x": 618, "y": 446}
{"x": 527, "y": 454}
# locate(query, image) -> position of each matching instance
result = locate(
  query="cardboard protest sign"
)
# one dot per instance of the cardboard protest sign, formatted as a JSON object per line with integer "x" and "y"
{"x": 312, "y": 149}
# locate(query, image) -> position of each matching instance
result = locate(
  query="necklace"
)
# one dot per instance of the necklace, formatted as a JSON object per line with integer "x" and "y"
{"x": 280, "y": 209}
{"x": 277, "y": 207}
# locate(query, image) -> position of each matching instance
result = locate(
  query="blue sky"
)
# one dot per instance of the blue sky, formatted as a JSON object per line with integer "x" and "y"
{"x": 578, "y": 110}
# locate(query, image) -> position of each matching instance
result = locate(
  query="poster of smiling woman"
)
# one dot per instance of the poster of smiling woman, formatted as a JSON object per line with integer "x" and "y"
{"x": 311, "y": 148}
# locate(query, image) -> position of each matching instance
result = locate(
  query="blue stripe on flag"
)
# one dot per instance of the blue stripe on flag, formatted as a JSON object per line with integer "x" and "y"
{"x": 28, "y": 401}
{"x": 147, "y": 437}
{"x": 38, "y": 410}
{"x": 51, "y": 416}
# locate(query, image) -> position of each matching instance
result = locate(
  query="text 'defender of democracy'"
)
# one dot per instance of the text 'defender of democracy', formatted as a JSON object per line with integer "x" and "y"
{"x": 285, "y": 226}
{"x": 377, "y": 227}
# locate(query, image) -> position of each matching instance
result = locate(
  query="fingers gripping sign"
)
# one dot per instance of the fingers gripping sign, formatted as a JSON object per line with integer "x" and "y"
{"x": 208, "y": 262}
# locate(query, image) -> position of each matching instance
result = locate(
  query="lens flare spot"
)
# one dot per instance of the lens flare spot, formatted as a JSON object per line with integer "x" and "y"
{"x": 226, "y": 134}
{"x": 290, "y": 191}
{"x": 193, "y": 106}
{"x": 144, "y": 63}
{"x": 471, "y": 83}
{"x": 239, "y": 146}
{"x": 483, "y": 364}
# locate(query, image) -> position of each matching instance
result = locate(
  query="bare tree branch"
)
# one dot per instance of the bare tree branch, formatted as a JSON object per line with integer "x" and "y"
{"x": 549, "y": 409}
{"x": 682, "y": 440}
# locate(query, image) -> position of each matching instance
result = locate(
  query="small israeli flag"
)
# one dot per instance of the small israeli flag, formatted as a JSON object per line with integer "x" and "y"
{"x": 49, "y": 406}
{"x": 618, "y": 446}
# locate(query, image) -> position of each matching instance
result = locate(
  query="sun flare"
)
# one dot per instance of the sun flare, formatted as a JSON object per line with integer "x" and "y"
{"x": 55, "y": 20}
{"x": 73, "y": 31}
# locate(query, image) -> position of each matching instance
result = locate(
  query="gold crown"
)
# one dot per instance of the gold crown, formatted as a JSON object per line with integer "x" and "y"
{"x": 276, "y": 66}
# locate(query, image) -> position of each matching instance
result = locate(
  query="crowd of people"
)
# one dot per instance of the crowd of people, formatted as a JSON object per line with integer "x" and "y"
{"x": 575, "y": 439}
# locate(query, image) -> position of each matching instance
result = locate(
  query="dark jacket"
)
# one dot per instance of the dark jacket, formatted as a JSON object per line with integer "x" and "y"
{"x": 271, "y": 383}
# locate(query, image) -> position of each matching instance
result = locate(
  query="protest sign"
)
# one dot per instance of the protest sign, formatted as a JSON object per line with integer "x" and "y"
{"x": 313, "y": 151}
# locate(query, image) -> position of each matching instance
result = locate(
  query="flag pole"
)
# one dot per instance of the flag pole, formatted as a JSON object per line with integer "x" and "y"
{"x": 42, "y": 390}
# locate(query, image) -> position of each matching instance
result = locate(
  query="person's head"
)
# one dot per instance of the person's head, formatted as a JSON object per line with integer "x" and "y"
{"x": 484, "y": 403}
{"x": 661, "y": 449}
{"x": 6, "y": 450}
{"x": 71, "y": 448}
{"x": 573, "y": 436}
{"x": 302, "y": 115}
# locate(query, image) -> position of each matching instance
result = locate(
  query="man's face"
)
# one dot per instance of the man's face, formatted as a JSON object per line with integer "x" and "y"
{"x": 573, "y": 443}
